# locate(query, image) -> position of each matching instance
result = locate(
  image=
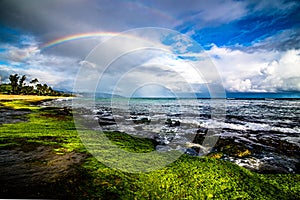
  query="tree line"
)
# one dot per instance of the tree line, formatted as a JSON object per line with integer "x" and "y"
{"x": 18, "y": 85}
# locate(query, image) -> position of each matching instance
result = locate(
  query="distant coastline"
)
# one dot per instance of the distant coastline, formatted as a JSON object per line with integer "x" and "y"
{"x": 227, "y": 95}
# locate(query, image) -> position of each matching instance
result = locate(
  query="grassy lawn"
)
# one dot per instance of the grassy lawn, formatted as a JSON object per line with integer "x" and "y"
{"x": 186, "y": 178}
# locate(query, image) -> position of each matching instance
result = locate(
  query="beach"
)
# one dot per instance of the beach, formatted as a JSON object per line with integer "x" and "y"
{"x": 27, "y": 97}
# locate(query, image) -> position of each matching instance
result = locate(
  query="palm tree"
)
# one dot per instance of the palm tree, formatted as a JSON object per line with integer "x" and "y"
{"x": 34, "y": 81}
{"x": 21, "y": 84}
{"x": 14, "y": 83}
{"x": 39, "y": 88}
{"x": 45, "y": 89}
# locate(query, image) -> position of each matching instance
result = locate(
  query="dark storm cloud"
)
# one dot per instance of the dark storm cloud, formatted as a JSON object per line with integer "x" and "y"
{"x": 238, "y": 22}
{"x": 51, "y": 19}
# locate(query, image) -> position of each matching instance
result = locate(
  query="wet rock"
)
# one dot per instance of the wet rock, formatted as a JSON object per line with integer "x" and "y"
{"x": 174, "y": 114}
{"x": 164, "y": 139}
{"x": 205, "y": 116}
{"x": 138, "y": 113}
{"x": 65, "y": 111}
{"x": 201, "y": 150}
{"x": 172, "y": 123}
{"x": 273, "y": 169}
{"x": 141, "y": 120}
{"x": 9, "y": 115}
{"x": 106, "y": 121}
{"x": 215, "y": 155}
{"x": 60, "y": 111}
{"x": 200, "y": 135}
{"x": 191, "y": 152}
{"x": 202, "y": 131}
{"x": 24, "y": 110}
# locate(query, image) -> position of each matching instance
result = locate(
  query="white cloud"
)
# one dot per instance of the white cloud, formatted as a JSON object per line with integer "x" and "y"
{"x": 128, "y": 73}
{"x": 56, "y": 71}
{"x": 140, "y": 60}
{"x": 222, "y": 11}
{"x": 203, "y": 12}
{"x": 276, "y": 5}
{"x": 265, "y": 71}
{"x": 16, "y": 54}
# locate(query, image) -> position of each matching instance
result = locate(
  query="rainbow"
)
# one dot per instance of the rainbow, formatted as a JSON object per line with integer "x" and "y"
{"x": 77, "y": 37}
{"x": 132, "y": 5}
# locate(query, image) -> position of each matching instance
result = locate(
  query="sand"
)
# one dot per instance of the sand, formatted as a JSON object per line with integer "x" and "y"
{"x": 28, "y": 97}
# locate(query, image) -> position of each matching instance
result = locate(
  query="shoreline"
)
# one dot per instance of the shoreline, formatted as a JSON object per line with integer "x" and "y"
{"x": 30, "y": 97}
{"x": 41, "y": 155}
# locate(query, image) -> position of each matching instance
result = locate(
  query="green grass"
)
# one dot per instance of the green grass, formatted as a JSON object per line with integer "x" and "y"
{"x": 130, "y": 143}
{"x": 43, "y": 127}
{"x": 186, "y": 178}
{"x": 18, "y": 104}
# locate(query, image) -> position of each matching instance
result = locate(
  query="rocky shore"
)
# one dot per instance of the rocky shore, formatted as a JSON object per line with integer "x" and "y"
{"x": 41, "y": 156}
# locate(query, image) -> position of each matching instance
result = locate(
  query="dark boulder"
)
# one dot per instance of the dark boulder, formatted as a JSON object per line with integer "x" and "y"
{"x": 172, "y": 123}
{"x": 141, "y": 120}
{"x": 200, "y": 136}
{"x": 191, "y": 152}
{"x": 106, "y": 121}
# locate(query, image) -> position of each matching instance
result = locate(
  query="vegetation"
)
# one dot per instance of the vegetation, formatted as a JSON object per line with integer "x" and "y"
{"x": 187, "y": 178}
{"x": 18, "y": 85}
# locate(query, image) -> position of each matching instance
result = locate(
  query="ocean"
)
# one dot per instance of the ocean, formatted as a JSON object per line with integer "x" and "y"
{"x": 262, "y": 135}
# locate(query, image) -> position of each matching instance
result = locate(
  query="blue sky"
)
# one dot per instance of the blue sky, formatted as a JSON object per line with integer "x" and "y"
{"x": 254, "y": 45}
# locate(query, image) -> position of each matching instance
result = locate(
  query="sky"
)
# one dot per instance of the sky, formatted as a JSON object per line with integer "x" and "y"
{"x": 193, "y": 45}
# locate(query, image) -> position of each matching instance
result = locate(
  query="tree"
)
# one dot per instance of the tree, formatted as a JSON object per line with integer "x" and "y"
{"x": 18, "y": 85}
{"x": 28, "y": 90}
{"x": 5, "y": 88}
{"x": 34, "y": 81}
{"x": 14, "y": 83}
{"x": 45, "y": 89}
{"x": 21, "y": 84}
{"x": 51, "y": 91}
{"x": 39, "y": 88}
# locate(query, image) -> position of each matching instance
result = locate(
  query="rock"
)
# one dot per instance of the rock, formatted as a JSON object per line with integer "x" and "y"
{"x": 164, "y": 139}
{"x": 244, "y": 153}
{"x": 106, "y": 121}
{"x": 24, "y": 110}
{"x": 9, "y": 115}
{"x": 215, "y": 155}
{"x": 202, "y": 131}
{"x": 273, "y": 169}
{"x": 65, "y": 111}
{"x": 200, "y": 136}
{"x": 60, "y": 111}
{"x": 172, "y": 123}
{"x": 174, "y": 114}
{"x": 191, "y": 152}
{"x": 142, "y": 120}
{"x": 198, "y": 148}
